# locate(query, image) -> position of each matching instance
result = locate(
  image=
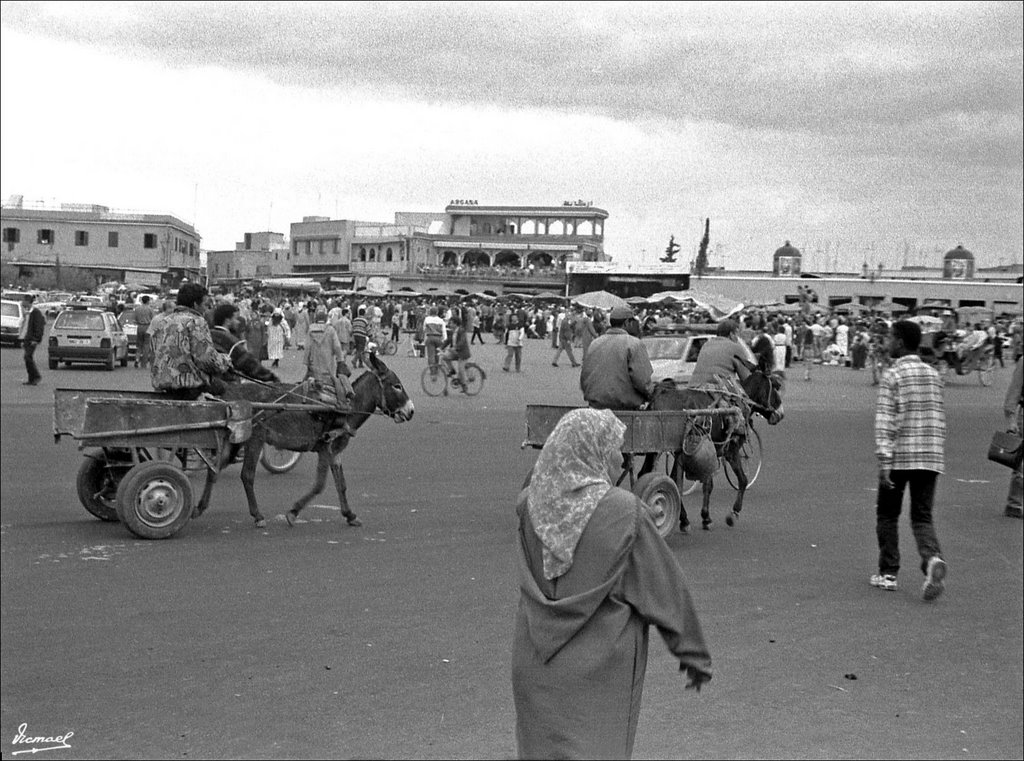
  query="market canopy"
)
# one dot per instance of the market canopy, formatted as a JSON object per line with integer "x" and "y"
{"x": 599, "y": 300}
{"x": 852, "y": 308}
{"x": 718, "y": 306}
{"x": 547, "y": 296}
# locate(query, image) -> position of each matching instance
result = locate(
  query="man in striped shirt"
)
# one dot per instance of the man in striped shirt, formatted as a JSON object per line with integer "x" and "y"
{"x": 360, "y": 335}
{"x": 910, "y": 435}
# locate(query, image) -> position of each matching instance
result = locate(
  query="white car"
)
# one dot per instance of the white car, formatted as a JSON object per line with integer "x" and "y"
{"x": 10, "y": 322}
{"x": 673, "y": 356}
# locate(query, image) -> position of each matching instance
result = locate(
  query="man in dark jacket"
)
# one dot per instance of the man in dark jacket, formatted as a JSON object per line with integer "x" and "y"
{"x": 225, "y": 332}
{"x": 30, "y": 333}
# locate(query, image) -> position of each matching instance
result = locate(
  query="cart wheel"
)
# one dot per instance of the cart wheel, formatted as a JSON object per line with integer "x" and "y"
{"x": 664, "y": 465}
{"x": 750, "y": 454}
{"x": 390, "y": 348}
{"x": 97, "y": 488}
{"x": 276, "y": 460}
{"x": 659, "y": 493}
{"x": 154, "y": 500}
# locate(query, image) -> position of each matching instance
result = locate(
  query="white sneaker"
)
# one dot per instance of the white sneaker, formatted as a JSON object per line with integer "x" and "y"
{"x": 934, "y": 575}
{"x": 887, "y": 582}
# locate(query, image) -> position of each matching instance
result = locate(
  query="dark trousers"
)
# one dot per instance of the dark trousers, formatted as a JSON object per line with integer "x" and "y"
{"x": 476, "y": 335}
{"x": 890, "y": 502}
{"x": 30, "y": 362}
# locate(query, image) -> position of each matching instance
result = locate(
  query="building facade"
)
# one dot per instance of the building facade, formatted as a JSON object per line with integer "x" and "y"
{"x": 259, "y": 255}
{"x": 151, "y": 249}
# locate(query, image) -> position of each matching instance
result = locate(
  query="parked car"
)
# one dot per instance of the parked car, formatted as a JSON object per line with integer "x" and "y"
{"x": 53, "y": 303}
{"x": 673, "y": 356}
{"x": 10, "y": 322}
{"x": 87, "y": 335}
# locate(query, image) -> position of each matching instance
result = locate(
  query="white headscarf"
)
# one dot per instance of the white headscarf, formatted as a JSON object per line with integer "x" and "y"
{"x": 569, "y": 479}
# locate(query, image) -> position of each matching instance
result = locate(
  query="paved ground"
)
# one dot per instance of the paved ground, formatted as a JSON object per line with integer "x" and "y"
{"x": 393, "y": 640}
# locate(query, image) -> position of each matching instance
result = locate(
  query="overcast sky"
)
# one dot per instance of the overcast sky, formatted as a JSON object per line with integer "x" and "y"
{"x": 876, "y": 131}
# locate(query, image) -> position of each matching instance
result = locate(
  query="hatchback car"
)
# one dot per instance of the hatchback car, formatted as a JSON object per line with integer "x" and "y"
{"x": 10, "y": 322}
{"x": 84, "y": 335}
{"x": 673, "y": 357}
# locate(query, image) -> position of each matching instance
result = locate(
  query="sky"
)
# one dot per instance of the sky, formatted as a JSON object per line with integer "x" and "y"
{"x": 862, "y": 132}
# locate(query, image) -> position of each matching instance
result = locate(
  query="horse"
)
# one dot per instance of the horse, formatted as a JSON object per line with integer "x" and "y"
{"x": 325, "y": 432}
{"x": 764, "y": 392}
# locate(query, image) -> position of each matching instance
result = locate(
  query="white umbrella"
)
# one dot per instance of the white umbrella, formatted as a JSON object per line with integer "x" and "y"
{"x": 599, "y": 300}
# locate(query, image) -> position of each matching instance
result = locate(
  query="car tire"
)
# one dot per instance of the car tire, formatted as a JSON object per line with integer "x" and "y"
{"x": 109, "y": 364}
{"x": 52, "y": 364}
{"x": 124, "y": 361}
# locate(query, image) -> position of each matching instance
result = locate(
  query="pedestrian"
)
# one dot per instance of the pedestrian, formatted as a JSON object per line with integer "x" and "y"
{"x": 910, "y": 437}
{"x": 587, "y": 330}
{"x": 476, "y": 325}
{"x": 563, "y": 340}
{"x": 143, "y": 318}
{"x": 278, "y": 335}
{"x": 1013, "y": 408}
{"x": 594, "y": 575}
{"x": 515, "y": 336}
{"x": 301, "y": 328}
{"x": 30, "y": 332}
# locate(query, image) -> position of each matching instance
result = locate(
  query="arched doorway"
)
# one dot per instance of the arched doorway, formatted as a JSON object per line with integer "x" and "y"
{"x": 449, "y": 259}
{"x": 476, "y": 259}
{"x": 540, "y": 259}
{"x": 507, "y": 259}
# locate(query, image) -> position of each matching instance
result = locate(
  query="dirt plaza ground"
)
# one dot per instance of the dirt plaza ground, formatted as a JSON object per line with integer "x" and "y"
{"x": 393, "y": 640}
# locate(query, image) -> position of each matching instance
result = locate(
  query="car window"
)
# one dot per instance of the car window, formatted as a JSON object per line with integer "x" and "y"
{"x": 80, "y": 321}
{"x": 11, "y": 310}
{"x": 695, "y": 348}
{"x": 665, "y": 348}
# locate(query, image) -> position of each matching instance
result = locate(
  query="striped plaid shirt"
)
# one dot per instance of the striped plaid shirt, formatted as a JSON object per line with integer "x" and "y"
{"x": 910, "y": 422}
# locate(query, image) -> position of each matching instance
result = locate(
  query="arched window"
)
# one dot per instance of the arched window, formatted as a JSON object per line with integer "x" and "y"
{"x": 373, "y": 254}
{"x": 585, "y": 227}
{"x": 556, "y": 227}
{"x": 388, "y": 255}
{"x": 529, "y": 227}
{"x": 487, "y": 228}
{"x": 362, "y": 253}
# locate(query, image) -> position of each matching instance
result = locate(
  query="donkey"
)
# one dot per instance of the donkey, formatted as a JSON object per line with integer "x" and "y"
{"x": 324, "y": 432}
{"x": 765, "y": 398}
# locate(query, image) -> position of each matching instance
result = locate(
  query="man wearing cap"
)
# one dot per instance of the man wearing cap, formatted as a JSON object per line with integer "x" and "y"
{"x": 617, "y": 370}
{"x": 721, "y": 357}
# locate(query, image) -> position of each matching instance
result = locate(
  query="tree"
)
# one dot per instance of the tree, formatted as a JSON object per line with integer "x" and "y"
{"x": 671, "y": 250}
{"x": 700, "y": 266}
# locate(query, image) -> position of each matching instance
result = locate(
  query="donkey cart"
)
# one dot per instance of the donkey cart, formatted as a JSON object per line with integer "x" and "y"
{"x": 139, "y": 447}
{"x": 648, "y": 432}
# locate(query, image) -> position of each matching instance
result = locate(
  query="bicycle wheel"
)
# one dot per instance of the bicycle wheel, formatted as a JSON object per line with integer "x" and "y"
{"x": 474, "y": 379}
{"x": 750, "y": 456}
{"x": 434, "y": 384}
{"x": 388, "y": 347}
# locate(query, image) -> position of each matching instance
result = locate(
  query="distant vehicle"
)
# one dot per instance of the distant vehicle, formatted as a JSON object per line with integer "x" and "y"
{"x": 131, "y": 331}
{"x": 10, "y": 322}
{"x": 673, "y": 355}
{"x": 54, "y": 302}
{"x": 87, "y": 335}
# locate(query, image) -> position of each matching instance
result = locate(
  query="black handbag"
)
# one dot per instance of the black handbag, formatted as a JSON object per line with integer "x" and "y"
{"x": 1006, "y": 449}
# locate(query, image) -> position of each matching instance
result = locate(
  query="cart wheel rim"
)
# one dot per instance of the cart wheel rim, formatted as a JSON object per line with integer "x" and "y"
{"x": 158, "y": 503}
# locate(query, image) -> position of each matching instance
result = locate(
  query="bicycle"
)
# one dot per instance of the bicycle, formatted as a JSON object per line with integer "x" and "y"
{"x": 435, "y": 381}
{"x": 385, "y": 345}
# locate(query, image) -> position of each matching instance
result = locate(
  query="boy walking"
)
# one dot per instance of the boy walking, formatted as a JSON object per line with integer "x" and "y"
{"x": 910, "y": 436}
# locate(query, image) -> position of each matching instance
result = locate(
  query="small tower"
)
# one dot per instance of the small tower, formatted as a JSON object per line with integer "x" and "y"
{"x": 958, "y": 264}
{"x": 787, "y": 261}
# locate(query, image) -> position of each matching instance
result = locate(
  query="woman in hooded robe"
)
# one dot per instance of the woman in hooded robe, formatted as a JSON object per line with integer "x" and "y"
{"x": 594, "y": 575}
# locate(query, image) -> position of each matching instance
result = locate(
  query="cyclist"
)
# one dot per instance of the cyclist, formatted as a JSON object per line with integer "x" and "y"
{"x": 458, "y": 352}
{"x": 435, "y": 335}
